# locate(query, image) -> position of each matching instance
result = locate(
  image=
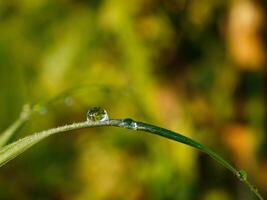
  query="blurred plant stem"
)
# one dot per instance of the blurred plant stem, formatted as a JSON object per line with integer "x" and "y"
{"x": 14, "y": 149}
{"x": 28, "y": 110}
{"x": 11, "y": 130}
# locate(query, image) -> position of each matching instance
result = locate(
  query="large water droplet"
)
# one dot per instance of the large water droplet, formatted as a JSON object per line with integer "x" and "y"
{"x": 97, "y": 114}
{"x": 129, "y": 123}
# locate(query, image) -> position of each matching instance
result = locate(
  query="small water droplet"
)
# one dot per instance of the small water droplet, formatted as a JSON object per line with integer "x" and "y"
{"x": 129, "y": 123}
{"x": 242, "y": 175}
{"x": 42, "y": 110}
{"x": 68, "y": 101}
{"x": 97, "y": 114}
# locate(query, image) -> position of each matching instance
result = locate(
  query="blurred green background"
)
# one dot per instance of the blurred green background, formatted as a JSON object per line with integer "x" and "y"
{"x": 197, "y": 67}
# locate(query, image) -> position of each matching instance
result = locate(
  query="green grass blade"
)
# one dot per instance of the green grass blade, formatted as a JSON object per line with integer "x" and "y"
{"x": 241, "y": 174}
{"x": 185, "y": 140}
{"x": 11, "y": 130}
{"x": 14, "y": 149}
{"x": 28, "y": 110}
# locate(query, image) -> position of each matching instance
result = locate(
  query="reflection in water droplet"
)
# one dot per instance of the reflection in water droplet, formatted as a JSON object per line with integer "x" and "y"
{"x": 97, "y": 114}
{"x": 68, "y": 101}
{"x": 129, "y": 123}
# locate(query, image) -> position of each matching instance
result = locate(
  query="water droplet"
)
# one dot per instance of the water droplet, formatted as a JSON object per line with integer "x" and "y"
{"x": 97, "y": 114}
{"x": 68, "y": 101}
{"x": 129, "y": 123}
{"x": 242, "y": 175}
{"x": 42, "y": 110}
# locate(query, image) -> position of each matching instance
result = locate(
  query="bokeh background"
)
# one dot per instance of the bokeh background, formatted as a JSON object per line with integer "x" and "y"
{"x": 197, "y": 67}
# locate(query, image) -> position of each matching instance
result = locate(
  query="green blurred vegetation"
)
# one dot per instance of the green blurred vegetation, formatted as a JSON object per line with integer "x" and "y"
{"x": 197, "y": 67}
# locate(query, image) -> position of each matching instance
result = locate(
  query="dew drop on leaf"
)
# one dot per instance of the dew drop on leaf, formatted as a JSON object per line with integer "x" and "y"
{"x": 97, "y": 114}
{"x": 129, "y": 123}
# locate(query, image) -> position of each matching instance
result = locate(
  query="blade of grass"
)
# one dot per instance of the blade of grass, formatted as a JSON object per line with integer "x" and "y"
{"x": 10, "y": 131}
{"x": 14, "y": 149}
{"x": 28, "y": 111}
{"x": 241, "y": 174}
